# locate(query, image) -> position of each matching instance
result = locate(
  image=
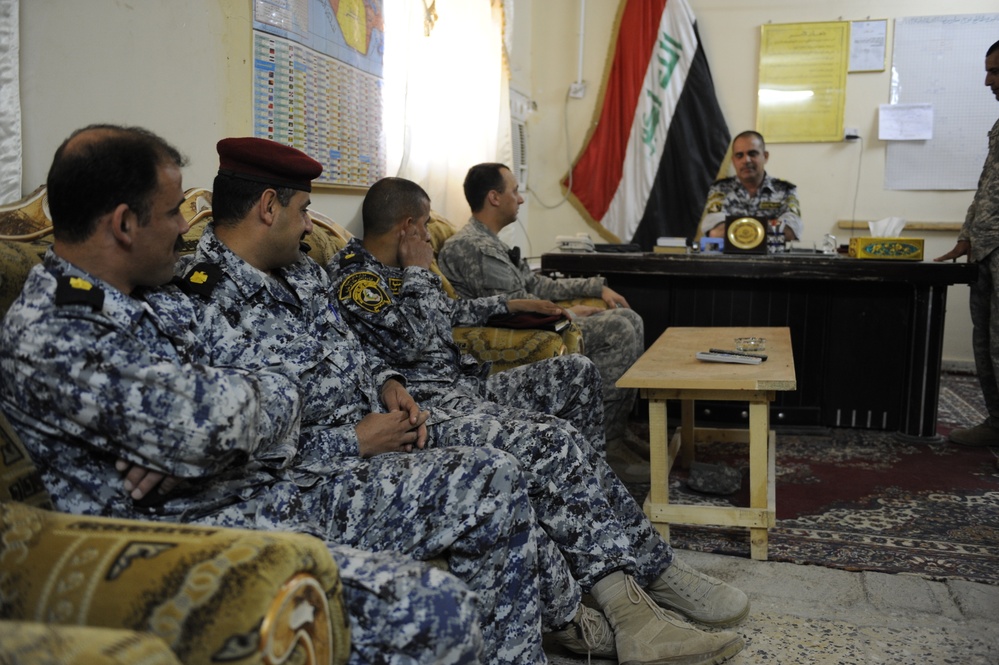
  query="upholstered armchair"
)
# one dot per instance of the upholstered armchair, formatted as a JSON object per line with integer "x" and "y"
{"x": 95, "y": 590}
{"x": 501, "y": 346}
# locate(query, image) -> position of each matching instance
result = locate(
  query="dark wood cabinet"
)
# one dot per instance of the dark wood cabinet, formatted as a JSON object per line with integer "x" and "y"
{"x": 866, "y": 334}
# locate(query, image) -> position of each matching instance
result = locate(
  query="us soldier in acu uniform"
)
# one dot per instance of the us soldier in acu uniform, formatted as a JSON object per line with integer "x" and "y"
{"x": 479, "y": 264}
{"x": 752, "y": 192}
{"x": 979, "y": 240}
{"x": 583, "y": 507}
{"x": 98, "y": 365}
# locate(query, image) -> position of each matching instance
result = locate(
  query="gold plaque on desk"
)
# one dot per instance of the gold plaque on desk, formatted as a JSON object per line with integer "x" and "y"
{"x": 745, "y": 235}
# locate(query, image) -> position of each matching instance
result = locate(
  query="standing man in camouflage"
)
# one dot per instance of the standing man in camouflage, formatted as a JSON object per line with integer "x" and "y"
{"x": 98, "y": 364}
{"x": 479, "y": 264}
{"x": 752, "y": 192}
{"x": 266, "y": 301}
{"x": 409, "y": 325}
{"x": 979, "y": 240}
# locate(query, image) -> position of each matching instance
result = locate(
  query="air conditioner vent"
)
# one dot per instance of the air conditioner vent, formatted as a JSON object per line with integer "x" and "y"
{"x": 518, "y": 135}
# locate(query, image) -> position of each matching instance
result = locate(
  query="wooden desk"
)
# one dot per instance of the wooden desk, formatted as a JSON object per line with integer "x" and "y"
{"x": 867, "y": 334}
{"x": 669, "y": 370}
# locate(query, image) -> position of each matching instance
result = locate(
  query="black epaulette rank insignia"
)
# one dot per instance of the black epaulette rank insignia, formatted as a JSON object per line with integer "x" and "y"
{"x": 201, "y": 279}
{"x": 78, "y": 291}
{"x": 349, "y": 258}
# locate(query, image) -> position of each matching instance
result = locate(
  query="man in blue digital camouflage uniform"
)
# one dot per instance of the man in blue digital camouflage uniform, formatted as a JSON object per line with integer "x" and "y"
{"x": 358, "y": 424}
{"x": 99, "y": 365}
{"x": 752, "y": 192}
{"x": 410, "y": 327}
{"x": 264, "y": 294}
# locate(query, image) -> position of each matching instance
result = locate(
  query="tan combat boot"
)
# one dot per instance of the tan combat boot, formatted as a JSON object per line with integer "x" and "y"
{"x": 588, "y": 634}
{"x": 698, "y": 596}
{"x": 645, "y": 634}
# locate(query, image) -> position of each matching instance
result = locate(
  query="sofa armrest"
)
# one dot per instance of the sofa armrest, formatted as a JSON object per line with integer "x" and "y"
{"x": 591, "y": 302}
{"x": 30, "y": 642}
{"x": 510, "y": 347}
{"x": 211, "y": 594}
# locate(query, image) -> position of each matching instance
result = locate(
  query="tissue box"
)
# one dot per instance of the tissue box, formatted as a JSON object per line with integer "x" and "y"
{"x": 670, "y": 245}
{"x": 907, "y": 249}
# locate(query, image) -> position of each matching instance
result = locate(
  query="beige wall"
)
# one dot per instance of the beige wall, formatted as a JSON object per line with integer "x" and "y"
{"x": 826, "y": 173}
{"x": 181, "y": 68}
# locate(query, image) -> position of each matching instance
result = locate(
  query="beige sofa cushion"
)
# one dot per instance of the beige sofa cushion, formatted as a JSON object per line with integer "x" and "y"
{"x": 212, "y": 595}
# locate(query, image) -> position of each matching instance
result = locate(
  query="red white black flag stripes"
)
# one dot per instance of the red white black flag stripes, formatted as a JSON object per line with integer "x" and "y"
{"x": 660, "y": 137}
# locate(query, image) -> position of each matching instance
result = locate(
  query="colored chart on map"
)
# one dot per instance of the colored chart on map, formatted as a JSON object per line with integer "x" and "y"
{"x": 317, "y": 83}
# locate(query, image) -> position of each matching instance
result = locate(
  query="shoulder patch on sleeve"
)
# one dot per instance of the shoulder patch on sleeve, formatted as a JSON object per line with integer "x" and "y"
{"x": 365, "y": 290}
{"x": 201, "y": 279}
{"x": 78, "y": 291}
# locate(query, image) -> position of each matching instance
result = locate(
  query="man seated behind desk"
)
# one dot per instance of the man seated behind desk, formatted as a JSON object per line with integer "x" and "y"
{"x": 99, "y": 364}
{"x": 752, "y": 192}
{"x": 479, "y": 264}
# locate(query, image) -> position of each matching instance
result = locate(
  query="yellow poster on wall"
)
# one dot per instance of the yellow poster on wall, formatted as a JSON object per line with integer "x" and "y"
{"x": 802, "y": 89}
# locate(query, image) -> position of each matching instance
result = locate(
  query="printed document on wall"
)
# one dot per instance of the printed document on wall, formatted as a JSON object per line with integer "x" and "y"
{"x": 905, "y": 122}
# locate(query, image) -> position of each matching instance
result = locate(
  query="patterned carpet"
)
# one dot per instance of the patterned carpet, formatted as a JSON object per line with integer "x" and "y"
{"x": 867, "y": 500}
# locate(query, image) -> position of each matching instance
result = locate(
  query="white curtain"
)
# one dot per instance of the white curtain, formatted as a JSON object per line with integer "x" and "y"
{"x": 10, "y": 104}
{"x": 446, "y": 95}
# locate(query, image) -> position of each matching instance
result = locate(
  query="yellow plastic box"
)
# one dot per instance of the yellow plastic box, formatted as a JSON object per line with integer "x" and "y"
{"x": 905, "y": 249}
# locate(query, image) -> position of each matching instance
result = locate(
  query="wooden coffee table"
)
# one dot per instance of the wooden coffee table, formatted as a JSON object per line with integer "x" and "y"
{"x": 668, "y": 370}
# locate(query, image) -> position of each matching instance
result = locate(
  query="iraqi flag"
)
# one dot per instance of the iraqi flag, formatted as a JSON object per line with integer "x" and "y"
{"x": 661, "y": 138}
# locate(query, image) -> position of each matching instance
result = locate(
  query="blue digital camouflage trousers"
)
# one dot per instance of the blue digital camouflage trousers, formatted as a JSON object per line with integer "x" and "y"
{"x": 591, "y": 521}
{"x": 568, "y": 386}
{"x": 405, "y": 612}
{"x": 472, "y": 511}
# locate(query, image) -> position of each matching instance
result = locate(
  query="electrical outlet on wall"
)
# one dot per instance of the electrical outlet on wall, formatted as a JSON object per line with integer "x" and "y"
{"x": 850, "y": 133}
{"x": 577, "y": 90}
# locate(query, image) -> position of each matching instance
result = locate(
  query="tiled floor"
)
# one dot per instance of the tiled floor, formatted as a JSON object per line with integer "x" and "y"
{"x": 815, "y": 615}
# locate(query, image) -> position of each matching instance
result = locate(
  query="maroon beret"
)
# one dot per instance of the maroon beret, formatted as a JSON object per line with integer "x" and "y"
{"x": 267, "y": 162}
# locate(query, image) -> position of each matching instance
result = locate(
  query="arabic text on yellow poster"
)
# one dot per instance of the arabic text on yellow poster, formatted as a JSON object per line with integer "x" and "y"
{"x": 802, "y": 90}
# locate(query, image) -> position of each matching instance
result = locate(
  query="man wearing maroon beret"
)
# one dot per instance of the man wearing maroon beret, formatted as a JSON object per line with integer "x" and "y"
{"x": 265, "y": 302}
{"x": 98, "y": 362}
